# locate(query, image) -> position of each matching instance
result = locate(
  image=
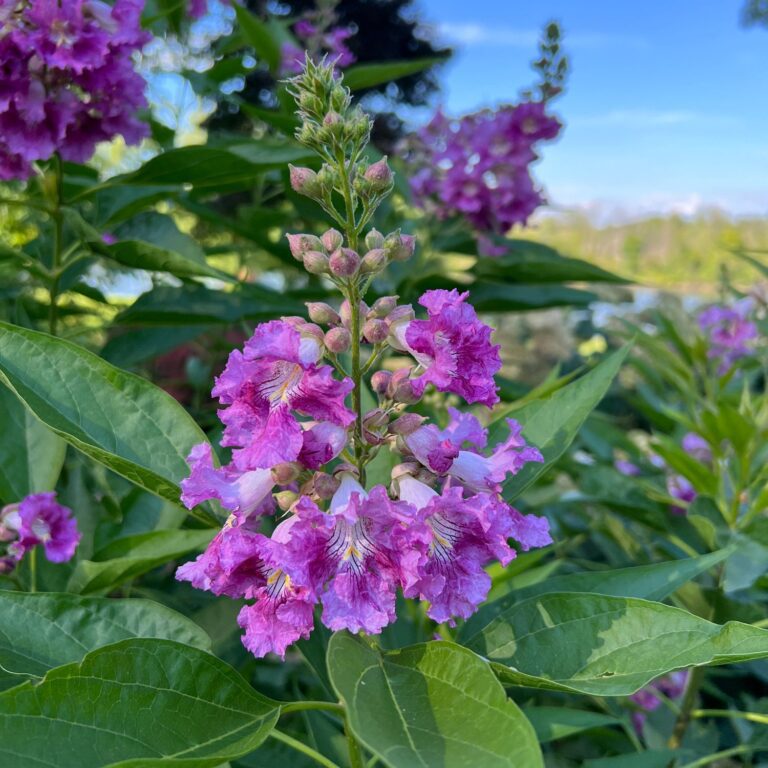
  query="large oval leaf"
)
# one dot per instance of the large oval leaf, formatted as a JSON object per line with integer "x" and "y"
{"x": 139, "y": 703}
{"x": 117, "y": 418}
{"x": 46, "y": 630}
{"x": 607, "y": 646}
{"x": 429, "y": 704}
{"x": 31, "y": 456}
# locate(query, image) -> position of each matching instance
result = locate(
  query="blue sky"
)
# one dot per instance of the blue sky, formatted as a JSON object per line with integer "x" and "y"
{"x": 666, "y": 108}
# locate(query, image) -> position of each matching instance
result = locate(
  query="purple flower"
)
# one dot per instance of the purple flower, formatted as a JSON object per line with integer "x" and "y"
{"x": 452, "y": 346}
{"x": 67, "y": 80}
{"x": 626, "y": 468}
{"x": 649, "y": 699}
{"x": 276, "y": 374}
{"x": 696, "y": 446}
{"x": 679, "y": 487}
{"x": 40, "y": 519}
{"x": 244, "y": 493}
{"x": 442, "y": 452}
{"x": 729, "y": 333}
{"x": 330, "y": 43}
{"x": 444, "y": 550}
{"x": 346, "y": 556}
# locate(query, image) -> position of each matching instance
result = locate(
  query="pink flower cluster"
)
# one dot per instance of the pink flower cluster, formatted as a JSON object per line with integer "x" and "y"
{"x": 341, "y": 546}
{"x": 37, "y": 519}
{"x": 67, "y": 79}
{"x": 730, "y": 333}
{"x": 310, "y": 37}
{"x": 478, "y": 166}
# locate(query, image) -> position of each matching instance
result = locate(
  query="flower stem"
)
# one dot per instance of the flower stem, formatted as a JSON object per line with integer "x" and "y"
{"x": 303, "y": 748}
{"x": 353, "y": 746}
{"x": 686, "y": 707}
{"x": 301, "y": 706}
{"x": 33, "y": 570}
{"x": 357, "y": 376}
{"x": 58, "y": 227}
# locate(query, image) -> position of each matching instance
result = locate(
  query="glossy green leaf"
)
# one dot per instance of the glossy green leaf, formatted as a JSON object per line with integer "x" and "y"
{"x": 138, "y": 703}
{"x": 369, "y": 75}
{"x": 195, "y": 304}
{"x": 31, "y": 456}
{"x": 131, "y": 556}
{"x": 137, "y": 345}
{"x": 45, "y": 630}
{"x": 116, "y": 418}
{"x": 551, "y": 723}
{"x": 607, "y": 646}
{"x": 647, "y": 582}
{"x": 552, "y": 424}
{"x": 430, "y": 704}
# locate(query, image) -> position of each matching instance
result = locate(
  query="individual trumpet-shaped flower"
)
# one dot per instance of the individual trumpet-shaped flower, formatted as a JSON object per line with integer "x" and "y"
{"x": 452, "y": 346}
{"x": 40, "y": 519}
{"x": 730, "y": 333}
{"x": 445, "y": 548}
{"x": 442, "y": 452}
{"x": 346, "y": 556}
{"x": 277, "y": 373}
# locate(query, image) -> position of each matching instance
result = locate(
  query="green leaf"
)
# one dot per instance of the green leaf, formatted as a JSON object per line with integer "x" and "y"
{"x": 195, "y": 304}
{"x": 529, "y": 261}
{"x": 136, "y": 346}
{"x": 131, "y": 556}
{"x": 647, "y": 582}
{"x": 552, "y": 424}
{"x": 42, "y": 631}
{"x": 369, "y": 75}
{"x": 551, "y": 723}
{"x": 31, "y": 456}
{"x": 489, "y": 296}
{"x": 430, "y": 704}
{"x": 258, "y": 35}
{"x": 153, "y": 242}
{"x": 138, "y": 703}
{"x": 119, "y": 419}
{"x": 607, "y": 646}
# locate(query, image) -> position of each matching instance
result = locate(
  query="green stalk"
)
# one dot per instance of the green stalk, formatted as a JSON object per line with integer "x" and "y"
{"x": 301, "y": 706}
{"x": 58, "y": 235}
{"x": 355, "y": 752}
{"x": 33, "y": 570}
{"x": 303, "y": 748}
{"x": 686, "y": 707}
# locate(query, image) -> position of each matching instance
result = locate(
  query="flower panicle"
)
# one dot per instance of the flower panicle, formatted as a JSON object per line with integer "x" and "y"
{"x": 301, "y": 440}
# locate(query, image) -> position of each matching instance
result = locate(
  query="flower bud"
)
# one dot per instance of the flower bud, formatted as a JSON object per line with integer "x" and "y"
{"x": 374, "y": 239}
{"x": 332, "y": 240}
{"x": 398, "y": 320}
{"x": 286, "y": 472}
{"x": 346, "y": 312}
{"x": 406, "y": 424}
{"x": 400, "y": 387}
{"x": 320, "y": 312}
{"x": 374, "y": 261}
{"x": 338, "y": 340}
{"x": 344, "y": 262}
{"x": 345, "y": 469}
{"x": 316, "y": 262}
{"x": 325, "y": 485}
{"x": 399, "y": 247}
{"x": 405, "y": 469}
{"x": 286, "y": 499}
{"x": 333, "y": 119}
{"x": 375, "y": 426}
{"x": 375, "y": 331}
{"x": 300, "y": 244}
{"x": 379, "y": 176}
{"x": 383, "y": 306}
{"x": 304, "y": 181}
{"x": 380, "y": 381}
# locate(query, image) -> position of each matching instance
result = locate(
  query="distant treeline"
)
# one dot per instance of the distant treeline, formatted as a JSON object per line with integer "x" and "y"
{"x": 668, "y": 250}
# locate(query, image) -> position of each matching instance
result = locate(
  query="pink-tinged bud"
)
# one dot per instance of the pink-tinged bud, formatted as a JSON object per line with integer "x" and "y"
{"x": 338, "y": 340}
{"x": 305, "y": 181}
{"x": 380, "y": 381}
{"x": 383, "y": 306}
{"x": 374, "y": 261}
{"x": 399, "y": 247}
{"x": 325, "y": 485}
{"x": 332, "y": 119}
{"x": 375, "y": 331}
{"x": 320, "y": 312}
{"x": 398, "y": 320}
{"x": 406, "y": 469}
{"x": 345, "y": 311}
{"x": 379, "y": 176}
{"x": 344, "y": 262}
{"x": 310, "y": 330}
{"x": 400, "y": 387}
{"x": 374, "y": 239}
{"x": 286, "y": 472}
{"x": 375, "y": 426}
{"x": 286, "y": 499}
{"x": 346, "y": 469}
{"x": 406, "y": 424}
{"x": 300, "y": 244}
{"x": 316, "y": 262}
{"x": 332, "y": 240}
